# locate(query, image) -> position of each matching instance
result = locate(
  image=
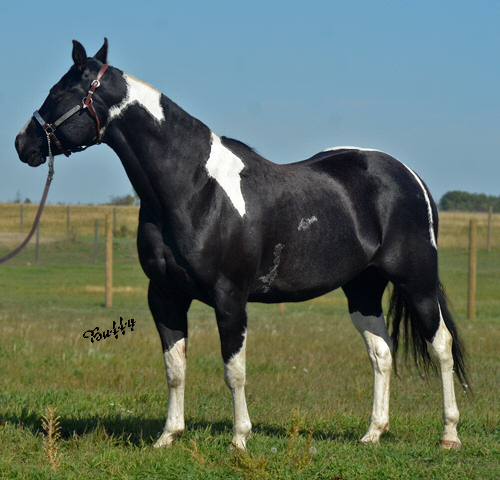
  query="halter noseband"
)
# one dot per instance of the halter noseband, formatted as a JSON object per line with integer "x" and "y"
{"x": 50, "y": 128}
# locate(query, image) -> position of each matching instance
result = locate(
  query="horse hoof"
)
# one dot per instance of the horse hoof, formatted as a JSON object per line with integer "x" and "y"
{"x": 451, "y": 445}
{"x": 236, "y": 447}
{"x": 166, "y": 440}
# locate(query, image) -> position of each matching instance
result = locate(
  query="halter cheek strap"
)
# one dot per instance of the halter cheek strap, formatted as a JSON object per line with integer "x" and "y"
{"x": 86, "y": 103}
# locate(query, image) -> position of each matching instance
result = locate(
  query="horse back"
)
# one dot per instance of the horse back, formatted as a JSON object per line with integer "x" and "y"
{"x": 330, "y": 216}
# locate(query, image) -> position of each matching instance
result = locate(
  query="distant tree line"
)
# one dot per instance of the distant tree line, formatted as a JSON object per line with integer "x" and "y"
{"x": 469, "y": 202}
{"x": 131, "y": 199}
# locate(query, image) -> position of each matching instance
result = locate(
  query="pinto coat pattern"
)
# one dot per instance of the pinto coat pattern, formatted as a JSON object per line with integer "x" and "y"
{"x": 221, "y": 224}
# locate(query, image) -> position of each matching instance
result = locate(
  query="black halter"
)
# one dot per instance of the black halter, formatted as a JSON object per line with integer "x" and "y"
{"x": 50, "y": 128}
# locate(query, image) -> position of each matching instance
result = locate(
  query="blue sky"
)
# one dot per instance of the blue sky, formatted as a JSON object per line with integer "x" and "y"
{"x": 419, "y": 80}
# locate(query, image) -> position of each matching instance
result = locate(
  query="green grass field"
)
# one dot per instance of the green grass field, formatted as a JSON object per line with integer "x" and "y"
{"x": 309, "y": 380}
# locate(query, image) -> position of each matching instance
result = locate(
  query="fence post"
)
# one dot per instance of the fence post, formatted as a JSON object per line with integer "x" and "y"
{"x": 67, "y": 222}
{"x": 114, "y": 222}
{"x": 471, "y": 306}
{"x": 37, "y": 243}
{"x": 96, "y": 238}
{"x": 109, "y": 262}
{"x": 22, "y": 217}
{"x": 490, "y": 218}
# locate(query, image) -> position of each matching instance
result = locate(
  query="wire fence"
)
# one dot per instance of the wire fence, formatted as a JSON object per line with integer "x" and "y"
{"x": 75, "y": 233}
{"x": 69, "y": 220}
{"x": 66, "y": 234}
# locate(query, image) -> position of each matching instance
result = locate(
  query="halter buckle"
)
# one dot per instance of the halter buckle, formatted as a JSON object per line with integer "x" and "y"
{"x": 49, "y": 129}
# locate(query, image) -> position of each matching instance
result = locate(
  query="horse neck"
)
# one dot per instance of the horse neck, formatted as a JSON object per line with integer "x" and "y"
{"x": 160, "y": 145}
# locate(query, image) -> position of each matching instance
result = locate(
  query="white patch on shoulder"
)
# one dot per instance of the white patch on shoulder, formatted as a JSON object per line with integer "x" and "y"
{"x": 141, "y": 93}
{"x": 225, "y": 167}
{"x": 305, "y": 223}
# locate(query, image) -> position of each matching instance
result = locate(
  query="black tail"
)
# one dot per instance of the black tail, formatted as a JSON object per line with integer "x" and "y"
{"x": 402, "y": 313}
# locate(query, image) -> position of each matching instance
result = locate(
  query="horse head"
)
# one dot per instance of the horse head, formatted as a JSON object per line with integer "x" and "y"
{"x": 71, "y": 116}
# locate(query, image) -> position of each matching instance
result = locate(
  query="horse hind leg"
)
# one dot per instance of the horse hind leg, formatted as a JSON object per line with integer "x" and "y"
{"x": 364, "y": 295}
{"x": 441, "y": 346}
{"x": 431, "y": 326}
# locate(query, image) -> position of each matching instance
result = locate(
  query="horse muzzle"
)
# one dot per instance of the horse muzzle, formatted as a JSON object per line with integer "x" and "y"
{"x": 30, "y": 146}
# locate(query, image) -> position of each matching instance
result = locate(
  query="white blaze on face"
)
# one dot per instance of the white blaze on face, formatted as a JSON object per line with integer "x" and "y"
{"x": 140, "y": 93}
{"x": 225, "y": 167}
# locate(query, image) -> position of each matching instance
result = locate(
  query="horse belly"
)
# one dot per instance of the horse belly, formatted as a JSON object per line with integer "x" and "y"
{"x": 305, "y": 269}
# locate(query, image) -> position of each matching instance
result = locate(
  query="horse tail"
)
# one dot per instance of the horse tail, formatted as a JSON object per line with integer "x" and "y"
{"x": 406, "y": 323}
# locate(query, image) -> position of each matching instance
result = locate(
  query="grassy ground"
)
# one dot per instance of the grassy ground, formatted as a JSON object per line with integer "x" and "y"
{"x": 309, "y": 383}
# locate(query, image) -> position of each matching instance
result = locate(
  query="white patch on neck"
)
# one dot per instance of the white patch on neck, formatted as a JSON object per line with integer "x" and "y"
{"x": 141, "y": 93}
{"x": 225, "y": 167}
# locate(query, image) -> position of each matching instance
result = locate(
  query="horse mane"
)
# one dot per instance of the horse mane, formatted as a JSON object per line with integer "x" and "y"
{"x": 237, "y": 145}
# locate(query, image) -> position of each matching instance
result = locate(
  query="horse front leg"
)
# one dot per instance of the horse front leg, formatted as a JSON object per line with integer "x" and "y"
{"x": 379, "y": 347}
{"x": 171, "y": 321}
{"x": 232, "y": 323}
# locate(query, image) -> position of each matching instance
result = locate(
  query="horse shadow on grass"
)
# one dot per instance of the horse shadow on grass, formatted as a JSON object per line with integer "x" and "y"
{"x": 131, "y": 430}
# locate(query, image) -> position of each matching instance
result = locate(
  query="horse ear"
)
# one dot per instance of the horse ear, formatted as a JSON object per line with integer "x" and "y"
{"x": 102, "y": 54}
{"x": 79, "y": 56}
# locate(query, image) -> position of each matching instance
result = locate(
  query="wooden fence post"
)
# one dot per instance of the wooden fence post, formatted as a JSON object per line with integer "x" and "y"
{"x": 490, "y": 219}
{"x": 96, "y": 240}
{"x": 37, "y": 246}
{"x": 67, "y": 222}
{"x": 109, "y": 262}
{"x": 471, "y": 306}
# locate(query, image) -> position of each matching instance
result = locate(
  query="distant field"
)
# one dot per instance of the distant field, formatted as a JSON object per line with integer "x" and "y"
{"x": 453, "y": 230}
{"x": 309, "y": 379}
{"x": 54, "y": 222}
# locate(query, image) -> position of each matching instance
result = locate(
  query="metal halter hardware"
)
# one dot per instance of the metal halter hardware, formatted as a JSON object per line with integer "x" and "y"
{"x": 50, "y": 128}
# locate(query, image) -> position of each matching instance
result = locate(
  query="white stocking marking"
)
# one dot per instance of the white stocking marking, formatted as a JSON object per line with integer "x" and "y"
{"x": 379, "y": 346}
{"x": 175, "y": 363}
{"x": 234, "y": 375}
{"x": 441, "y": 348}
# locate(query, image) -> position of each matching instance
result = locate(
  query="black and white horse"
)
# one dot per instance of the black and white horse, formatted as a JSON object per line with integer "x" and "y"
{"x": 223, "y": 225}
